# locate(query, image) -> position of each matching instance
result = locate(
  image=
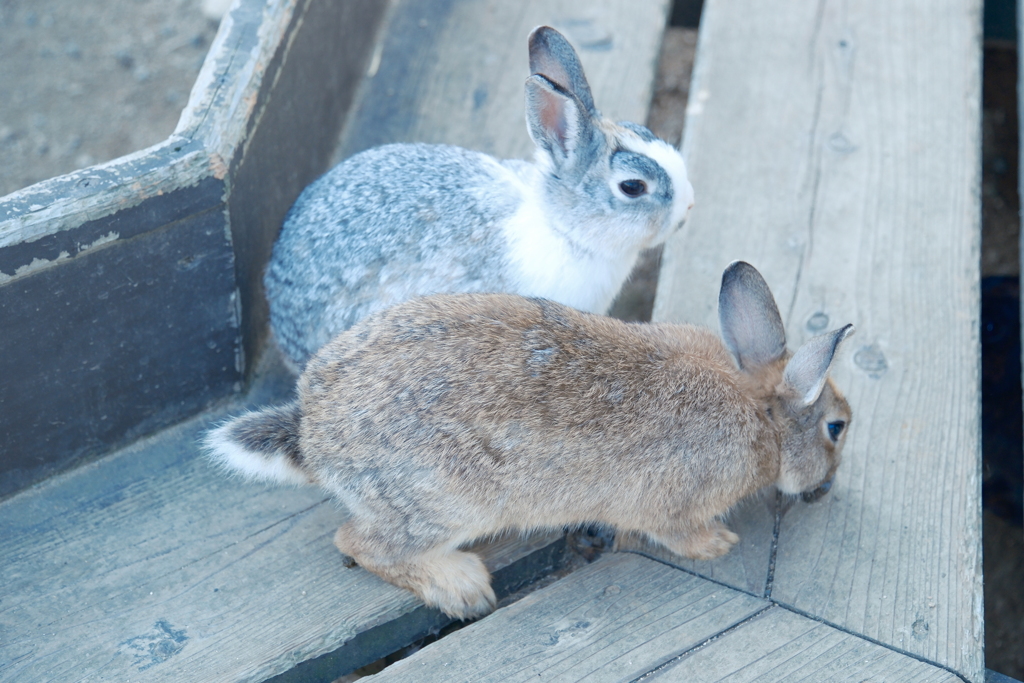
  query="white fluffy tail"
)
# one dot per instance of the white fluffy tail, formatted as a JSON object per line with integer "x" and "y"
{"x": 261, "y": 445}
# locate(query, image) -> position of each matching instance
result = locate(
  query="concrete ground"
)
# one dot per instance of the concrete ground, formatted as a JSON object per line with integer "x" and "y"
{"x": 82, "y": 83}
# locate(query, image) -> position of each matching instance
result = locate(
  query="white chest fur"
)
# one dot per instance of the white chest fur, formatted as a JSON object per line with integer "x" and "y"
{"x": 547, "y": 264}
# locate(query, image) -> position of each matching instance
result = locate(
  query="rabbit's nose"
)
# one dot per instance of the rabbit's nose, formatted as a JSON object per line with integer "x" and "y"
{"x": 816, "y": 494}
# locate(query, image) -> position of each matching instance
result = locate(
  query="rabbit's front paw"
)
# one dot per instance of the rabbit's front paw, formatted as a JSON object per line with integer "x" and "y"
{"x": 707, "y": 543}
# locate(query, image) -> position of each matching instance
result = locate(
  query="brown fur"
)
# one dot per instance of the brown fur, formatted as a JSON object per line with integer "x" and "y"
{"x": 454, "y": 417}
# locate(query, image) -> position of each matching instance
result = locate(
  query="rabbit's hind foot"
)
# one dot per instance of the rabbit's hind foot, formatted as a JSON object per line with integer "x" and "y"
{"x": 342, "y": 544}
{"x": 454, "y": 581}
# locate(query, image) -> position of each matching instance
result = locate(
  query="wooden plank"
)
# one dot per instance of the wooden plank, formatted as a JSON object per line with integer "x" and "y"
{"x": 613, "y": 620}
{"x": 779, "y": 645}
{"x": 836, "y": 147}
{"x": 85, "y": 355}
{"x": 151, "y": 565}
{"x": 453, "y": 71}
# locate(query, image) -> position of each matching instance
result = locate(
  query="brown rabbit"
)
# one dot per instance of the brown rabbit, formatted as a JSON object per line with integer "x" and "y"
{"x": 452, "y": 417}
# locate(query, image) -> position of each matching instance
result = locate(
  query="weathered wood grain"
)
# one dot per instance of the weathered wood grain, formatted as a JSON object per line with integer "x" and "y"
{"x": 613, "y": 620}
{"x": 453, "y": 71}
{"x": 836, "y": 147}
{"x": 151, "y": 565}
{"x": 85, "y": 354}
{"x": 779, "y": 645}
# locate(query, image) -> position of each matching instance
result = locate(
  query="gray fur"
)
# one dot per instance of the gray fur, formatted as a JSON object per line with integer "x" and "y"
{"x": 407, "y": 220}
{"x": 352, "y": 244}
{"x": 643, "y": 131}
{"x": 273, "y": 431}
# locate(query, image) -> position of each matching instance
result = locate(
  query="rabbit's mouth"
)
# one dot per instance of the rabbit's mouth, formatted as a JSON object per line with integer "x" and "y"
{"x": 816, "y": 494}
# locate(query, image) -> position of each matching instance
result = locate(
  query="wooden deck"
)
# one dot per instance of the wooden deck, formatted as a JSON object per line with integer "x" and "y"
{"x": 626, "y": 617}
{"x": 152, "y": 565}
{"x": 836, "y": 147}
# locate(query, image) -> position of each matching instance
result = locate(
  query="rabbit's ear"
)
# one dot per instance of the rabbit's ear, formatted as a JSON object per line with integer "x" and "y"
{"x": 556, "y": 120}
{"x": 552, "y": 56}
{"x": 806, "y": 371}
{"x": 751, "y": 325}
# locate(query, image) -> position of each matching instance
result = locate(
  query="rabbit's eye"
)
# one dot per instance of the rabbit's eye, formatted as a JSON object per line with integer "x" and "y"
{"x": 835, "y": 429}
{"x": 633, "y": 188}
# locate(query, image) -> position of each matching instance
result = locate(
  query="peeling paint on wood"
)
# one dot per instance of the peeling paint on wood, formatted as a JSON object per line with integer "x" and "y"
{"x": 121, "y": 340}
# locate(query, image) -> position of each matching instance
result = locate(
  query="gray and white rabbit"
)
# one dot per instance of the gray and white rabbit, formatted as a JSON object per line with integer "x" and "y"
{"x": 406, "y": 220}
{"x": 455, "y": 417}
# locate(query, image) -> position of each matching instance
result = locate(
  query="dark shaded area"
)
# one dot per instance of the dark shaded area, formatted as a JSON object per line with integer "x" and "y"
{"x": 1002, "y": 476}
{"x": 1001, "y": 423}
{"x": 119, "y": 340}
{"x": 1004, "y": 596}
{"x": 1000, "y": 205}
{"x": 1001, "y": 20}
{"x": 1003, "y": 553}
{"x": 993, "y": 677}
{"x": 686, "y": 13}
